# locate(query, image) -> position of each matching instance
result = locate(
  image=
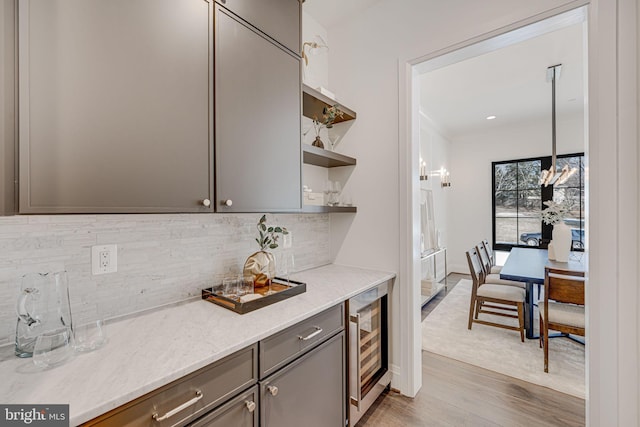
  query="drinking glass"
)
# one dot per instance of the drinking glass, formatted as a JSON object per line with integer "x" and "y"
{"x": 270, "y": 291}
{"x": 336, "y": 189}
{"x": 287, "y": 265}
{"x": 230, "y": 286}
{"x": 52, "y": 348}
{"x": 245, "y": 286}
{"x": 287, "y": 240}
{"x": 328, "y": 190}
{"x": 89, "y": 337}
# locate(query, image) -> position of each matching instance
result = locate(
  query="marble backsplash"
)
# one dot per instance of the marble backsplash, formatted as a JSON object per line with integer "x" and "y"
{"x": 161, "y": 258}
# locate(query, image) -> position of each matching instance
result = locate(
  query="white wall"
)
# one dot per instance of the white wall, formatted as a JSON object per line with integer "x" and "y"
{"x": 471, "y": 157}
{"x": 365, "y": 68}
{"x": 316, "y": 73}
{"x": 364, "y": 72}
{"x": 434, "y": 150}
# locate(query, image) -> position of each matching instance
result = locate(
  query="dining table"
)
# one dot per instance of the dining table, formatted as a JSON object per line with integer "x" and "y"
{"x": 528, "y": 264}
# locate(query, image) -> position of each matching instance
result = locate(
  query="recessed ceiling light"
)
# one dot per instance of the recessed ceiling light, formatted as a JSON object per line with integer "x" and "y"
{"x": 491, "y": 117}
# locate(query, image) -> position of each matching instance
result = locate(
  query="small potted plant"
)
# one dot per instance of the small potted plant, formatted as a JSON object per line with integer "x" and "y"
{"x": 329, "y": 116}
{"x": 261, "y": 265}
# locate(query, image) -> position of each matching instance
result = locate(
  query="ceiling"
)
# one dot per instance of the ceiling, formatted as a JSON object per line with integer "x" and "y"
{"x": 509, "y": 83}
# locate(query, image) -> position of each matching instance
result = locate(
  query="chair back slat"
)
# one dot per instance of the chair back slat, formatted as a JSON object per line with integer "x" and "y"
{"x": 484, "y": 258}
{"x": 475, "y": 267}
{"x": 487, "y": 247}
{"x": 565, "y": 287}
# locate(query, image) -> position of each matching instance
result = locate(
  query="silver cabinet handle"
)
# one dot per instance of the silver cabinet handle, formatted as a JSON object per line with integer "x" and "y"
{"x": 317, "y": 332}
{"x": 227, "y": 202}
{"x": 251, "y": 406}
{"x": 358, "y": 397}
{"x": 206, "y": 203}
{"x": 175, "y": 410}
{"x": 273, "y": 390}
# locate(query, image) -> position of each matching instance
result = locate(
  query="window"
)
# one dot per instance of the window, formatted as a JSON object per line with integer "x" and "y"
{"x": 518, "y": 200}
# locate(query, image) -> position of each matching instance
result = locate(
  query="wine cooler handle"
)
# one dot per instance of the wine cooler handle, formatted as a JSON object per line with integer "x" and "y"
{"x": 356, "y": 400}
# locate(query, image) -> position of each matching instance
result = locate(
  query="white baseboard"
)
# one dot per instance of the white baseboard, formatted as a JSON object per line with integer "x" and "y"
{"x": 458, "y": 268}
{"x": 395, "y": 376}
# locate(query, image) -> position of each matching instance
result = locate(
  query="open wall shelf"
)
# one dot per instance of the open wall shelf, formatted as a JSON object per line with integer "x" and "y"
{"x": 325, "y": 158}
{"x": 313, "y": 102}
{"x": 329, "y": 209}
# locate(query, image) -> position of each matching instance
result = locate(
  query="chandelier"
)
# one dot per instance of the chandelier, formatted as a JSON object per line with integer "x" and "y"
{"x": 552, "y": 175}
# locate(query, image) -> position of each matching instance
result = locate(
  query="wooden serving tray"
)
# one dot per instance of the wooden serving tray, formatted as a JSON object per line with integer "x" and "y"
{"x": 282, "y": 288}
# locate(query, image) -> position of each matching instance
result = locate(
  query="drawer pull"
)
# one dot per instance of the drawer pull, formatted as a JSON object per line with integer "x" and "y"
{"x": 174, "y": 411}
{"x": 251, "y": 406}
{"x": 317, "y": 332}
{"x": 273, "y": 390}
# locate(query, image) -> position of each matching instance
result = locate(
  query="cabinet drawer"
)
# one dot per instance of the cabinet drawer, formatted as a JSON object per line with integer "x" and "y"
{"x": 205, "y": 388}
{"x": 241, "y": 411}
{"x": 279, "y": 349}
{"x": 279, "y": 19}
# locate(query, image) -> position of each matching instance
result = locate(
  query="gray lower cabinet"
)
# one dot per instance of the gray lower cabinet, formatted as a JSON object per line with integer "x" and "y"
{"x": 257, "y": 120}
{"x": 307, "y": 389}
{"x": 116, "y": 106}
{"x": 308, "y": 392}
{"x": 186, "y": 399}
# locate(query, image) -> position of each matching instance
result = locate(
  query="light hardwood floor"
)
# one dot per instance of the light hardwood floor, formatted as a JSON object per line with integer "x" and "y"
{"x": 458, "y": 394}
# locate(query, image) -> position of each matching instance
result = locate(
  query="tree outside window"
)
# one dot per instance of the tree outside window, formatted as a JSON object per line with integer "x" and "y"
{"x": 518, "y": 200}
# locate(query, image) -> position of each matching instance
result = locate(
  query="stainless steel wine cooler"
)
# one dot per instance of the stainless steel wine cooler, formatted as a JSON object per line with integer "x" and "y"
{"x": 368, "y": 349}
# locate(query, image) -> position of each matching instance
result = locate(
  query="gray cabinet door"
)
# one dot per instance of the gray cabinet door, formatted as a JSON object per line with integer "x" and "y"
{"x": 257, "y": 121}
{"x": 116, "y": 105}
{"x": 7, "y": 108}
{"x": 279, "y": 19}
{"x": 241, "y": 411}
{"x": 309, "y": 392}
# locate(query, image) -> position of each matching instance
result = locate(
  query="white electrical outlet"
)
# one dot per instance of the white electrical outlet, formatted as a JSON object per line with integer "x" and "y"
{"x": 104, "y": 259}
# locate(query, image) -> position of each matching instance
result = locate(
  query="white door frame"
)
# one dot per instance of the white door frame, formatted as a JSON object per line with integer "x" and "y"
{"x": 613, "y": 325}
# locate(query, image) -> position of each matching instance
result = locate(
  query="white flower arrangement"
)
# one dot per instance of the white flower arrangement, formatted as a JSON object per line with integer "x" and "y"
{"x": 555, "y": 212}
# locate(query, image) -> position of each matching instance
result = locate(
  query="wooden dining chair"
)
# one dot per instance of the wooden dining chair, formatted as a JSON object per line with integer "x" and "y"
{"x": 486, "y": 298}
{"x": 489, "y": 275}
{"x": 562, "y": 308}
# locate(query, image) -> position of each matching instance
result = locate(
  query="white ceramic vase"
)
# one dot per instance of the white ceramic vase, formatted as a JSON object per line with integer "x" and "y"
{"x": 551, "y": 252}
{"x": 561, "y": 241}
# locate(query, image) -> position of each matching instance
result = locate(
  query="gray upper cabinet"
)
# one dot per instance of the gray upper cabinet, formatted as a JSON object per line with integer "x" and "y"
{"x": 7, "y": 108}
{"x": 257, "y": 120}
{"x": 279, "y": 19}
{"x": 116, "y": 106}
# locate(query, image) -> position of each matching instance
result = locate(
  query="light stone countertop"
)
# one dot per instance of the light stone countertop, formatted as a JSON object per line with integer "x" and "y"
{"x": 148, "y": 351}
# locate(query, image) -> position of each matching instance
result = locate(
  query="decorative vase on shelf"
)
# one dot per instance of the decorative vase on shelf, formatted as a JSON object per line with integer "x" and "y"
{"x": 561, "y": 241}
{"x": 262, "y": 266}
{"x": 551, "y": 251}
{"x": 318, "y": 142}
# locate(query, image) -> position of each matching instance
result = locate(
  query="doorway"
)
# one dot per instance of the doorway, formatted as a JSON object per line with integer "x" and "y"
{"x": 465, "y": 130}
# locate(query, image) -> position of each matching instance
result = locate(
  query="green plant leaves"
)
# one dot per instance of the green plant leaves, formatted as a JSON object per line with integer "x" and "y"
{"x": 268, "y": 234}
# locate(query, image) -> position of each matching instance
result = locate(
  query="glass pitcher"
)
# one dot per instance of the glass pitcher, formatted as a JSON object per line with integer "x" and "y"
{"x": 43, "y": 307}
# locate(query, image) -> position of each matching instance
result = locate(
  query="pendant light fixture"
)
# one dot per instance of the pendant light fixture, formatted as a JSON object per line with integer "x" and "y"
{"x": 552, "y": 175}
